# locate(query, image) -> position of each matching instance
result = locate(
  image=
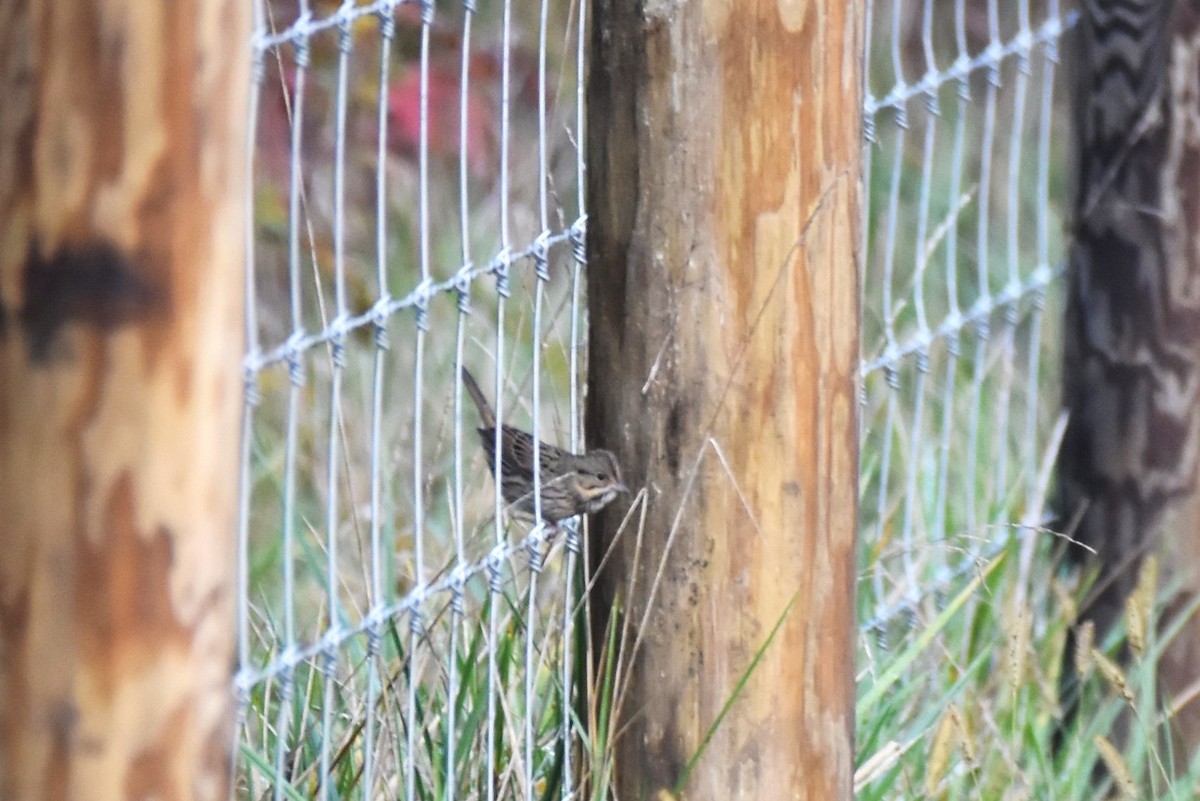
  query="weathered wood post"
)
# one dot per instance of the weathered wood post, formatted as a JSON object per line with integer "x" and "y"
{"x": 121, "y": 228}
{"x": 724, "y": 211}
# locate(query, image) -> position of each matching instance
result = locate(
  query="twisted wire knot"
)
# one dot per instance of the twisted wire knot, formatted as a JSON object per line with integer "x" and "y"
{"x": 495, "y": 565}
{"x": 462, "y": 286}
{"x": 257, "y": 68}
{"x": 301, "y": 52}
{"x": 422, "y": 309}
{"x": 537, "y": 559}
{"x": 379, "y": 321}
{"x": 295, "y": 370}
{"x": 1024, "y": 62}
{"x": 287, "y": 679}
{"x": 923, "y": 361}
{"x": 387, "y": 23}
{"x": 294, "y": 361}
{"x": 241, "y": 690}
{"x": 964, "y": 90}
{"x": 503, "y": 262}
{"x": 416, "y": 621}
{"x": 457, "y": 595}
{"x": 251, "y": 392}
{"x": 373, "y": 640}
{"x": 892, "y": 376}
{"x": 541, "y": 256}
{"x": 1011, "y": 312}
{"x": 337, "y": 350}
{"x": 329, "y": 654}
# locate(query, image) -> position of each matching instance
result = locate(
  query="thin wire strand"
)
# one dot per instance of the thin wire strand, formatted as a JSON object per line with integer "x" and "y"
{"x": 1042, "y": 214}
{"x": 954, "y": 313}
{"x": 982, "y": 328}
{"x": 535, "y": 554}
{"x": 250, "y": 399}
{"x": 337, "y": 349}
{"x": 911, "y": 498}
{"x": 387, "y": 30}
{"x": 416, "y": 627}
{"x": 457, "y": 610}
{"x": 574, "y": 543}
{"x": 296, "y": 375}
{"x": 500, "y": 266}
{"x": 1012, "y": 315}
{"x": 494, "y": 583}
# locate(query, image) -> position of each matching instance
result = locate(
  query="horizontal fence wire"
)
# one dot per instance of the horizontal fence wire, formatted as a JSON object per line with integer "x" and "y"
{"x": 395, "y": 623}
{"x": 307, "y": 23}
{"x": 417, "y": 299}
{"x": 449, "y": 587}
{"x": 1022, "y": 45}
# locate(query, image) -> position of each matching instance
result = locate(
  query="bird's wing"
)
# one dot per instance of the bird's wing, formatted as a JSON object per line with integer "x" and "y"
{"x": 517, "y": 458}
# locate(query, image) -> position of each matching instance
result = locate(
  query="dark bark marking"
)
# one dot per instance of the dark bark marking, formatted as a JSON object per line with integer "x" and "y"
{"x": 93, "y": 284}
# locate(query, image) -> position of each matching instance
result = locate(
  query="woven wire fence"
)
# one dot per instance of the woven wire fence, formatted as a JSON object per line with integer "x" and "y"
{"x": 417, "y": 187}
{"x": 965, "y": 155}
{"x": 964, "y": 243}
{"x": 416, "y": 181}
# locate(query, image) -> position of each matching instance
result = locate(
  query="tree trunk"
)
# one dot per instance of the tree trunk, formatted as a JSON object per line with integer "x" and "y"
{"x": 1128, "y": 465}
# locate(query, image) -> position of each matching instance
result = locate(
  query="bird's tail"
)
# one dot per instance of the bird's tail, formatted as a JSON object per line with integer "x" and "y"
{"x": 485, "y": 409}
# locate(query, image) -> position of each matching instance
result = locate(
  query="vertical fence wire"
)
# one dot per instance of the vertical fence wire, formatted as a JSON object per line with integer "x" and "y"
{"x": 575, "y": 412}
{"x": 376, "y": 599}
{"x": 496, "y": 576}
{"x": 417, "y": 618}
{"x": 250, "y": 399}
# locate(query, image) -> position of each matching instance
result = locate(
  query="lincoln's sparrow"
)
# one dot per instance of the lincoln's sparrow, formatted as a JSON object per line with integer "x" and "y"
{"x": 572, "y": 484}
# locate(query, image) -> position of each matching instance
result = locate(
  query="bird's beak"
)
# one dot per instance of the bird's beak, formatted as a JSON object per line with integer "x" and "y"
{"x": 621, "y": 487}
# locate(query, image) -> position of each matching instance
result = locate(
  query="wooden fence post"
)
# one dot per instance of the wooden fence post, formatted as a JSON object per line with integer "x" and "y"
{"x": 724, "y": 212}
{"x": 121, "y": 231}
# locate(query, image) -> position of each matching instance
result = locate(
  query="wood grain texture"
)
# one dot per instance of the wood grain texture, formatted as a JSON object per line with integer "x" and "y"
{"x": 121, "y": 230}
{"x": 724, "y": 211}
{"x": 1129, "y": 459}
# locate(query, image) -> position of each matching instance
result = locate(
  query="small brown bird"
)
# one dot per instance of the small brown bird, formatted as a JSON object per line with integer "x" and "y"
{"x": 572, "y": 484}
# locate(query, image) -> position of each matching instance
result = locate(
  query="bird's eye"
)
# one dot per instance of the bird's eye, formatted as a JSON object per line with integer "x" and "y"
{"x": 601, "y": 476}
